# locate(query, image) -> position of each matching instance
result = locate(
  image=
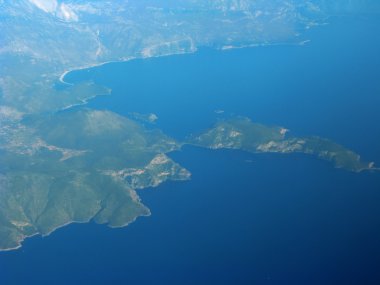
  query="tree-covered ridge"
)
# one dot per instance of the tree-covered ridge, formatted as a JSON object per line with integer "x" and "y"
{"x": 83, "y": 165}
{"x": 79, "y": 166}
{"x": 243, "y": 134}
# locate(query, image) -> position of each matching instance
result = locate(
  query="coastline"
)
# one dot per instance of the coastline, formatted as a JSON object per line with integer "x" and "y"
{"x": 25, "y": 237}
{"x": 194, "y": 49}
{"x": 85, "y": 101}
{"x": 126, "y": 59}
{"x": 62, "y": 76}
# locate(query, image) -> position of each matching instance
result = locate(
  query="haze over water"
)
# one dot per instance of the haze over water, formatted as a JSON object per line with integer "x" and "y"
{"x": 273, "y": 219}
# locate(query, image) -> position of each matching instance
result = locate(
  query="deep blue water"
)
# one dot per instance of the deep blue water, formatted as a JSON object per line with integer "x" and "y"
{"x": 242, "y": 219}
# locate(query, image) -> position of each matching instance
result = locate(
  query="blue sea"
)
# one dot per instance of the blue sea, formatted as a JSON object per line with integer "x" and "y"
{"x": 242, "y": 218}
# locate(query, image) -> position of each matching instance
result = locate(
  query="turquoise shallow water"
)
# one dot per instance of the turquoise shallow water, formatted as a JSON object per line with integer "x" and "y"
{"x": 272, "y": 219}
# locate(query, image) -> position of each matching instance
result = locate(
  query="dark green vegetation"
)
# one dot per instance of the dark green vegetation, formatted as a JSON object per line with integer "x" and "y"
{"x": 78, "y": 166}
{"x": 243, "y": 134}
{"x": 59, "y": 167}
{"x": 41, "y": 41}
{"x": 83, "y": 165}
